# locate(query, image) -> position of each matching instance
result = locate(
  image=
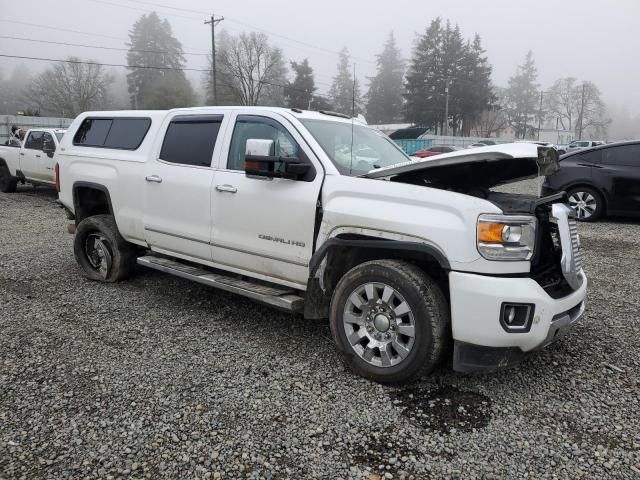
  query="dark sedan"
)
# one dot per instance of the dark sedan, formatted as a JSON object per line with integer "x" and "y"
{"x": 600, "y": 181}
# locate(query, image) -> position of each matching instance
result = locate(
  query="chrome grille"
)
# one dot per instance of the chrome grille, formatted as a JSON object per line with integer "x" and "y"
{"x": 571, "y": 261}
{"x": 575, "y": 243}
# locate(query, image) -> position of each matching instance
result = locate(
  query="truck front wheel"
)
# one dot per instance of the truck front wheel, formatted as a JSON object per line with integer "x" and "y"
{"x": 390, "y": 320}
{"x": 101, "y": 251}
{"x": 8, "y": 183}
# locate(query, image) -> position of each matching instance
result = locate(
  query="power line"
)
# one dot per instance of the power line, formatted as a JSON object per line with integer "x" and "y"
{"x": 83, "y": 33}
{"x": 150, "y": 67}
{"x": 244, "y": 24}
{"x": 94, "y": 46}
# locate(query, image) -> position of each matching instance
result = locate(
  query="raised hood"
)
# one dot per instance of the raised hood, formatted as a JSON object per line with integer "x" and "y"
{"x": 482, "y": 167}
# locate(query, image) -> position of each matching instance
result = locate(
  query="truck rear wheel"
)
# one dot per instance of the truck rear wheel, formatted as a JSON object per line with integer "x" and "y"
{"x": 101, "y": 251}
{"x": 390, "y": 320}
{"x": 8, "y": 183}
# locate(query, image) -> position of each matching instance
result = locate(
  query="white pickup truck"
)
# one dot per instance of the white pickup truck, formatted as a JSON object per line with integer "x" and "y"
{"x": 315, "y": 213}
{"x": 33, "y": 162}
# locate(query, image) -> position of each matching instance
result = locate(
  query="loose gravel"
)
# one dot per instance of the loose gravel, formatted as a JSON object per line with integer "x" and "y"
{"x": 157, "y": 377}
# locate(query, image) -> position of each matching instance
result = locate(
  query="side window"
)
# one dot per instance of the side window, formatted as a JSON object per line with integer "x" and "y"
{"x": 47, "y": 139}
{"x": 190, "y": 140}
{"x": 93, "y": 132}
{"x": 127, "y": 133}
{"x": 254, "y": 127}
{"x": 589, "y": 157}
{"x": 118, "y": 133}
{"x": 624, "y": 155}
{"x": 34, "y": 141}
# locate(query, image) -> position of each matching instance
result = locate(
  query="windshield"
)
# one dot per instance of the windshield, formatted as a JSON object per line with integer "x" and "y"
{"x": 579, "y": 144}
{"x": 371, "y": 148}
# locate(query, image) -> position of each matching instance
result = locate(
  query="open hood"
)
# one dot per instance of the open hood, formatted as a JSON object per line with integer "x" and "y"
{"x": 482, "y": 167}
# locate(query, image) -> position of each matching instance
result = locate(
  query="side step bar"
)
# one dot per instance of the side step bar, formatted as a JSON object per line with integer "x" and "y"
{"x": 275, "y": 296}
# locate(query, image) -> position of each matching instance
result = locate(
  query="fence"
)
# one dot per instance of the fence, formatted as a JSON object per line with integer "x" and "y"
{"x": 412, "y": 146}
{"x": 460, "y": 141}
{"x": 6, "y": 121}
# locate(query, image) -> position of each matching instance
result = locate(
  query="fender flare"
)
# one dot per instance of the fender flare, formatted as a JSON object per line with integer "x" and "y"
{"x": 382, "y": 243}
{"x": 94, "y": 186}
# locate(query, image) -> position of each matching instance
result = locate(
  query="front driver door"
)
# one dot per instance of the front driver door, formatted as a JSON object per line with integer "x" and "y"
{"x": 265, "y": 227}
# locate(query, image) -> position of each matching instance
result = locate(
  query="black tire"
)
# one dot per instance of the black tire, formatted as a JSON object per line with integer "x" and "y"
{"x": 8, "y": 183}
{"x": 101, "y": 251}
{"x": 587, "y": 193}
{"x": 429, "y": 310}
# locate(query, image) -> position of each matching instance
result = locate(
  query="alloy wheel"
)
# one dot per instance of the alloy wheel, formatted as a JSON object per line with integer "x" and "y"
{"x": 379, "y": 324}
{"x": 584, "y": 204}
{"x": 98, "y": 253}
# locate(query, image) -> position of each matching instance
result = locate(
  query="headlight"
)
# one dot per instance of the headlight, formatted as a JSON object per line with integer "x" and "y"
{"x": 506, "y": 237}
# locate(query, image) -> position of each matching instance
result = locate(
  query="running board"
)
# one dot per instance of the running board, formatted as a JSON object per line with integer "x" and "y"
{"x": 275, "y": 296}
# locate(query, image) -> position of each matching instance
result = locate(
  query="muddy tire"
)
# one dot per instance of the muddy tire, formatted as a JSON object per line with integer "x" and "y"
{"x": 101, "y": 251}
{"x": 8, "y": 183}
{"x": 390, "y": 320}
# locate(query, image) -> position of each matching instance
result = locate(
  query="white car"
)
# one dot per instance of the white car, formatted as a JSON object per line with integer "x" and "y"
{"x": 582, "y": 144}
{"x": 314, "y": 213}
{"x": 33, "y": 162}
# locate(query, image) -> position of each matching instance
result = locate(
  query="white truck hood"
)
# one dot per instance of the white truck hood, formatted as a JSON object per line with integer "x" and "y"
{"x": 478, "y": 167}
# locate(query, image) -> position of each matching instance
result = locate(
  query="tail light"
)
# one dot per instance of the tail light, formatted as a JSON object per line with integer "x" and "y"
{"x": 57, "y": 169}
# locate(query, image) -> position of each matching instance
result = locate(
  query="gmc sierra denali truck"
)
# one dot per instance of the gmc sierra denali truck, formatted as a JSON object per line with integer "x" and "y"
{"x": 316, "y": 213}
{"x": 33, "y": 162}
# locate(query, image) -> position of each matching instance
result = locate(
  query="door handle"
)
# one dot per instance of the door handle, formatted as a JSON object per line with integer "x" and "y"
{"x": 37, "y": 156}
{"x": 21, "y": 153}
{"x": 226, "y": 188}
{"x": 153, "y": 179}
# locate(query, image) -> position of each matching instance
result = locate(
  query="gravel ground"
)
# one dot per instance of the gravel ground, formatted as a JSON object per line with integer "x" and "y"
{"x": 157, "y": 377}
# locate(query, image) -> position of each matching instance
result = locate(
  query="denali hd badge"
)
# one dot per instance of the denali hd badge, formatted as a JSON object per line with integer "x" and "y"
{"x": 281, "y": 240}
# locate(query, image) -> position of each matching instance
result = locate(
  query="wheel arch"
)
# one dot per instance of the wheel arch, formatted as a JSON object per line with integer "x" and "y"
{"x": 339, "y": 254}
{"x": 90, "y": 199}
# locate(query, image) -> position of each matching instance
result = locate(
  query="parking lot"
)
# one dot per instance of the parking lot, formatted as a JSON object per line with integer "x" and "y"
{"x": 158, "y": 377}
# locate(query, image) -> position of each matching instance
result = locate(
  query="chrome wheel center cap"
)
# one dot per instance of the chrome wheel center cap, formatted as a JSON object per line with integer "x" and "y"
{"x": 381, "y": 322}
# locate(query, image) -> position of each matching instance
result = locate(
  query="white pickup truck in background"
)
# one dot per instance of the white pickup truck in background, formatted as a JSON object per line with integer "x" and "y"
{"x": 319, "y": 214}
{"x": 33, "y": 162}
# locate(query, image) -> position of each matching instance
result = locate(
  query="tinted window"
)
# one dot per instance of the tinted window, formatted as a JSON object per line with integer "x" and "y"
{"x": 127, "y": 133}
{"x": 119, "y": 133}
{"x": 190, "y": 140}
{"x": 48, "y": 139}
{"x": 34, "y": 141}
{"x": 93, "y": 132}
{"x": 248, "y": 127}
{"x": 623, "y": 155}
{"x": 587, "y": 157}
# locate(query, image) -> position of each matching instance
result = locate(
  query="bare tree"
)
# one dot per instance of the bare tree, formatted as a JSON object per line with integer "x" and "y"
{"x": 490, "y": 122}
{"x": 68, "y": 89}
{"x": 564, "y": 102}
{"x": 253, "y": 67}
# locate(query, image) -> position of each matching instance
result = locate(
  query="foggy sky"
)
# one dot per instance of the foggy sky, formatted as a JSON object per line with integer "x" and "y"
{"x": 593, "y": 40}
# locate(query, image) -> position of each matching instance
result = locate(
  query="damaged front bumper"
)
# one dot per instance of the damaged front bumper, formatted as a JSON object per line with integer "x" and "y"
{"x": 482, "y": 344}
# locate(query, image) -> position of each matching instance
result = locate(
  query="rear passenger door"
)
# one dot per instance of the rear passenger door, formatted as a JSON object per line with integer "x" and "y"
{"x": 178, "y": 178}
{"x": 621, "y": 174}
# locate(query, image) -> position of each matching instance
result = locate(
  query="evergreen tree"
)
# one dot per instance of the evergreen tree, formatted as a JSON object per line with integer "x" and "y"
{"x": 424, "y": 96}
{"x": 343, "y": 91}
{"x": 384, "y": 98}
{"x": 299, "y": 93}
{"x": 152, "y": 44}
{"x": 522, "y": 97}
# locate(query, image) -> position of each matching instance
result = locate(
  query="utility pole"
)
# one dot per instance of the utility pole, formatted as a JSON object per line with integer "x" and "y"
{"x": 540, "y": 115}
{"x": 446, "y": 109}
{"x": 213, "y": 21}
{"x": 581, "y": 114}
